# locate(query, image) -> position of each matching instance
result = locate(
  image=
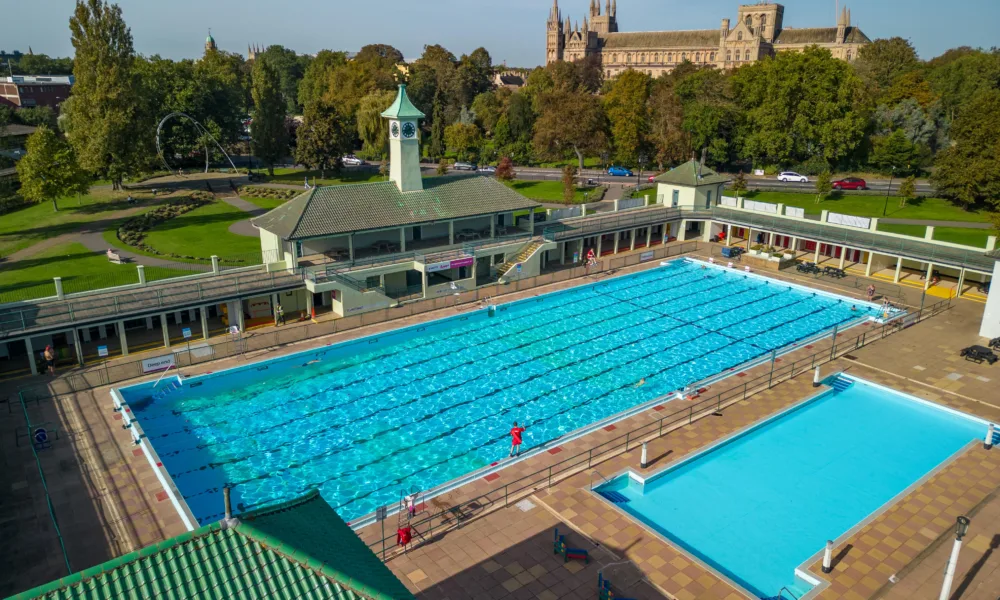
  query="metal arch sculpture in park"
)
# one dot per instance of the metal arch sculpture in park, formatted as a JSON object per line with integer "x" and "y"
{"x": 201, "y": 129}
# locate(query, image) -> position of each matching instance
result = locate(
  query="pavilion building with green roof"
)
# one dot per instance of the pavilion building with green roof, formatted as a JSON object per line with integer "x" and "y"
{"x": 296, "y": 549}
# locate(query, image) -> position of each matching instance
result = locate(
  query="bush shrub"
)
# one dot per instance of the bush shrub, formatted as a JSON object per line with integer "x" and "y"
{"x": 256, "y": 191}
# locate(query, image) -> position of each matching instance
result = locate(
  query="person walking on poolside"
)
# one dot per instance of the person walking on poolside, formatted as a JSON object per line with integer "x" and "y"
{"x": 279, "y": 315}
{"x": 871, "y": 293}
{"x": 50, "y": 360}
{"x": 515, "y": 440}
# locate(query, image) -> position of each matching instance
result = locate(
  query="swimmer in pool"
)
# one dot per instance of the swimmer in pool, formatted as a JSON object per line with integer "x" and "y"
{"x": 641, "y": 383}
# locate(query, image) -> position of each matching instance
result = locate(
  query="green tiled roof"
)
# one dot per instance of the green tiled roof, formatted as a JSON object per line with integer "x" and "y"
{"x": 341, "y": 209}
{"x": 687, "y": 174}
{"x": 820, "y": 35}
{"x": 402, "y": 108}
{"x": 298, "y": 549}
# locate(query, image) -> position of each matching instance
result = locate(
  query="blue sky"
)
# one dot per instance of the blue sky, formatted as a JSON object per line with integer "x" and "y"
{"x": 512, "y": 30}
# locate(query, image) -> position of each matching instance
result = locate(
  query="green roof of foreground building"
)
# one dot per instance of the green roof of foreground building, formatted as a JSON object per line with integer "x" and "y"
{"x": 343, "y": 209}
{"x": 297, "y": 549}
{"x": 402, "y": 108}
{"x": 691, "y": 174}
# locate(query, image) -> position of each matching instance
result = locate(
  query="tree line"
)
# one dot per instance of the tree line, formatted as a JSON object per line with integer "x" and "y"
{"x": 888, "y": 112}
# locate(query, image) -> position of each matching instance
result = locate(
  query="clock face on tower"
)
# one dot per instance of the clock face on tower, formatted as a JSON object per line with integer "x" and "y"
{"x": 395, "y": 130}
{"x": 409, "y": 130}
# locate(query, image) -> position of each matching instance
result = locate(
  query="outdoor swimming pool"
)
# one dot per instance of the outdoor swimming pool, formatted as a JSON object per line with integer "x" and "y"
{"x": 759, "y": 505}
{"x": 415, "y": 408}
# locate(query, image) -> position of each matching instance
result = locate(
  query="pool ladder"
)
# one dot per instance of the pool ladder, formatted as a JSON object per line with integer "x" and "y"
{"x": 841, "y": 383}
{"x": 168, "y": 389}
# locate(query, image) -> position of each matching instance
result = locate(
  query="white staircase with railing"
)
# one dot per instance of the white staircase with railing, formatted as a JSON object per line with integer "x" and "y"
{"x": 515, "y": 258}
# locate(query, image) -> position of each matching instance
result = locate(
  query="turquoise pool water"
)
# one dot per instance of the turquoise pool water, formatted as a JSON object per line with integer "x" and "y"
{"x": 755, "y": 508}
{"x": 413, "y": 409}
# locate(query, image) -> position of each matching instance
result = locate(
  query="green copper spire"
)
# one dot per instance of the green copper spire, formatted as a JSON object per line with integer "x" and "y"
{"x": 402, "y": 108}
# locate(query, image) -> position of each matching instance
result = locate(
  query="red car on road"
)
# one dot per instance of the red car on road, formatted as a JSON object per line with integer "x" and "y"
{"x": 850, "y": 183}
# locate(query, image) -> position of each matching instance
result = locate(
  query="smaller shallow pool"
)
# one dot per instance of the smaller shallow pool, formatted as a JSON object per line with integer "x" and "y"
{"x": 759, "y": 505}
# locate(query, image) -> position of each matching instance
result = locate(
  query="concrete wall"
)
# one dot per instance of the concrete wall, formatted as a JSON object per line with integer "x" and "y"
{"x": 689, "y": 197}
{"x": 270, "y": 244}
{"x": 991, "y": 317}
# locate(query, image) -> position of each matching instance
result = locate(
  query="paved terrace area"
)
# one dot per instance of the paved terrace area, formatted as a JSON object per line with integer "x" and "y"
{"x": 109, "y": 502}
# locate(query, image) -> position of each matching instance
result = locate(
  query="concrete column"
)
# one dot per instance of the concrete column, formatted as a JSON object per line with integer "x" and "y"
{"x": 122, "y": 338}
{"x": 350, "y": 247}
{"x": 816, "y": 258}
{"x": 310, "y": 304}
{"x": 781, "y": 209}
{"x": 991, "y": 243}
{"x": 215, "y": 267}
{"x": 600, "y": 242}
{"x": 645, "y": 200}
{"x": 961, "y": 282}
{"x": 493, "y": 226}
{"x": 929, "y": 233}
{"x": 843, "y": 256}
{"x": 32, "y": 362}
{"x": 581, "y": 249}
{"x": 178, "y": 317}
{"x": 824, "y": 216}
{"x": 532, "y": 221}
{"x": 451, "y": 232}
{"x": 102, "y": 333}
{"x": 617, "y": 238}
{"x": 649, "y": 236}
{"x": 149, "y": 323}
{"x": 749, "y": 237}
{"x": 873, "y": 226}
{"x": 424, "y": 277}
{"x": 142, "y": 274}
{"x": 634, "y": 232}
{"x": 899, "y": 268}
{"x": 562, "y": 252}
{"x": 616, "y": 205}
{"x": 59, "y": 288}
{"x": 928, "y": 275}
{"x": 239, "y": 313}
{"x": 770, "y": 239}
{"x": 274, "y": 307}
{"x": 666, "y": 232}
{"x": 78, "y": 346}
{"x": 191, "y": 315}
{"x": 868, "y": 267}
{"x": 402, "y": 239}
{"x": 682, "y": 233}
{"x": 86, "y": 334}
{"x": 166, "y": 332}
{"x": 729, "y": 235}
{"x": 204, "y": 322}
{"x": 794, "y": 245}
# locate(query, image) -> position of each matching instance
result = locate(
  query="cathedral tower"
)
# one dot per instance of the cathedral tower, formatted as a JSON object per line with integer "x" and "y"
{"x": 555, "y": 41}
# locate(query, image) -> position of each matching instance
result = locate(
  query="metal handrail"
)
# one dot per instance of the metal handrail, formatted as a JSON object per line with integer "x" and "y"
{"x": 790, "y": 593}
{"x": 543, "y": 478}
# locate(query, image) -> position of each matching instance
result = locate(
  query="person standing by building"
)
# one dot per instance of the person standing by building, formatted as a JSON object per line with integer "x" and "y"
{"x": 279, "y": 315}
{"x": 50, "y": 360}
{"x": 871, "y": 293}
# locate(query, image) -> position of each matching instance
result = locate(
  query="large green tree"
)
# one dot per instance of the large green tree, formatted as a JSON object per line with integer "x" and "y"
{"x": 628, "y": 116}
{"x": 570, "y": 122}
{"x": 268, "y": 129}
{"x": 323, "y": 137}
{"x": 104, "y": 121}
{"x": 797, "y": 106}
{"x": 464, "y": 139}
{"x": 968, "y": 172}
{"x": 882, "y": 62}
{"x": 317, "y": 75}
{"x": 49, "y": 170}
{"x": 291, "y": 67}
{"x": 373, "y": 128}
{"x": 666, "y": 124}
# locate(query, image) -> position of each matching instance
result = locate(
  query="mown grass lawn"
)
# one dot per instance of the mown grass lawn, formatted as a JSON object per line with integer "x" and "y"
{"x": 547, "y": 191}
{"x": 27, "y": 226}
{"x": 203, "y": 232}
{"x": 955, "y": 235}
{"x": 871, "y": 206}
{"x": 81, "y": 270}
{"x": 265, "y": 203}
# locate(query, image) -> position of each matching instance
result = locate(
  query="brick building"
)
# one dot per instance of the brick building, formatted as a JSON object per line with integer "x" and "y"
{"x": 28, "y": 91}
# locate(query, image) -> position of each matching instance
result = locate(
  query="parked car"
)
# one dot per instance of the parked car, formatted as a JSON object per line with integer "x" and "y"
{"x": 619, "y": 172}
{"x": 352, "y": 161}
{"x": 487, "y": 169}
{"x": 652, "y": 178}
{"x": 850, "y": 183}
{"x": 464, "y": 166}
{"x": 792, "y": 176}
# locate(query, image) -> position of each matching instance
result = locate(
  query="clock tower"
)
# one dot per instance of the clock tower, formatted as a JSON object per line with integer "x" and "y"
{"x": 404, "y": 145}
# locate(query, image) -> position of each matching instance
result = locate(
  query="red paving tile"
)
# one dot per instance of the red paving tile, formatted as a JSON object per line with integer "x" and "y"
{"x": 161, "y": 496}
{"x": 137, "y": 452}
{"x": 492, "y": 477}
{"x": 555, "y": 450}
{"x": 117, "y": 416}
{"x": 610, "y": 428}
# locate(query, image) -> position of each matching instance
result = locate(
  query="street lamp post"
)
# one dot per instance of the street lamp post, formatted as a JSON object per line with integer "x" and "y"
{"x": 961, "y": 528}
{"x": 642, "y": 163}
{"x": 886, "y": 206}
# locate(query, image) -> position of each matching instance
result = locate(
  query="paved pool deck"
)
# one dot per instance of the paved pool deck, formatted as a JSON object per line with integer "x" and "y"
{"x": 108, "y": 500}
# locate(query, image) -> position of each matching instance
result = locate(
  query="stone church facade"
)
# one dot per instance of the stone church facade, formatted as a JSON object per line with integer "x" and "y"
{"x": 758, "y": 33}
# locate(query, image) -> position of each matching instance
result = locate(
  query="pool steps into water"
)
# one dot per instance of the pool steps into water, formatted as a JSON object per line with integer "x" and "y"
{"x": 612, "y": 496}
{"x": 841, "y": 383}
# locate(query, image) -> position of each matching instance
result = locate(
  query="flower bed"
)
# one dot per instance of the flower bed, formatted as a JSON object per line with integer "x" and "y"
{"x": 256, "y": 191}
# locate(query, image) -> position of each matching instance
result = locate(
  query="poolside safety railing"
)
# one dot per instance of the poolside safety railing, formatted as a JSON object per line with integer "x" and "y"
{"x": 439, "y": 523}
{"x": 225, "y": 346}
